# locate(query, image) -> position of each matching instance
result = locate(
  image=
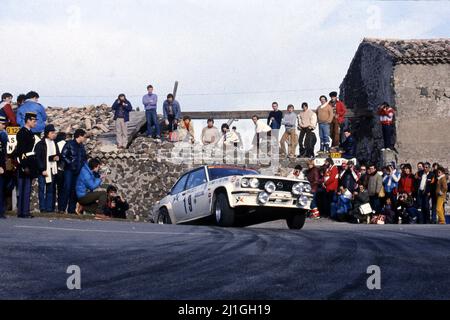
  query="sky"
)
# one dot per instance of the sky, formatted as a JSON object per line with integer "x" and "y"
{"x": 226, "y": 55}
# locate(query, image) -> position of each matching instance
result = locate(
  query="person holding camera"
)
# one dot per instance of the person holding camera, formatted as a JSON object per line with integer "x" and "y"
{"x": 89, "y": 180}
{"x": 171, "y": 114}
{"x": 122, "y": 108}
{"x": 116, "y": 206}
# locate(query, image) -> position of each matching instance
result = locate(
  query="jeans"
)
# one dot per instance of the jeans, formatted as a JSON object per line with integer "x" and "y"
{"x": 69, "y": 197}
{"x": 388, "y": 136}
{"x": 324, "y": 133}
{"x": 23, "y": 196}
{"x": 46, "y": 194}
{"x": 375, "y": 203}
{"x": 423, "y": 202}
{"x": 152, "y": 120}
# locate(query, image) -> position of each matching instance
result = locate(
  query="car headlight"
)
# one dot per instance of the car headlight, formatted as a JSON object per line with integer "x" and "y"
{"x": 254, "y": 183}
{"x": 307, "y": 188}
{"x": 245, "y": 183}
{"x": 303, "y": 200}
{"x": 297, "y": 188}
{"x": 270, "y": 186}
{"x": 263, "y": 197}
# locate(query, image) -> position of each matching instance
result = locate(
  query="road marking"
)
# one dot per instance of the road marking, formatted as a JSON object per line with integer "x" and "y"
{"x": 111, "y": 231}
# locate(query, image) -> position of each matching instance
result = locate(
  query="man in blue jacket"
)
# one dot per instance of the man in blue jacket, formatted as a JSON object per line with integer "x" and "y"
{"x": 121, "y": 109}
{"x": 33, "y": 106}
{"x": 150, "y": 102}
{"x": 73, "y": 156}
{"x": 89, "y": 180}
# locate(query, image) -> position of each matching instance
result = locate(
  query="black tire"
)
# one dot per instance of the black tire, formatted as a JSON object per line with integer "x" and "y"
{"x": 222, "y": 212}
{"x": 296, "y": 221}
{"x": 163, "y": 217}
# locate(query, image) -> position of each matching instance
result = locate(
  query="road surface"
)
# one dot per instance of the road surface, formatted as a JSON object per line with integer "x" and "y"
{"x": 125, "y": 260}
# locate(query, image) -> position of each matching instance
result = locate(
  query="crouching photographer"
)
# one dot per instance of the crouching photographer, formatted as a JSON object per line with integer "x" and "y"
{"x": 116, "y": 206}
{"x": 90, "y": 179}
{"x": 406, "y": 210}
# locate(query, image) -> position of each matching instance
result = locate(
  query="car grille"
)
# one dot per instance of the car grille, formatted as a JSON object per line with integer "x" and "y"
{"x": 286, "y": 185}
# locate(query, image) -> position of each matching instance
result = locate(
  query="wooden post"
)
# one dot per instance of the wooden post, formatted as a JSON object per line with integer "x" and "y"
{"x": 175, "y": 89}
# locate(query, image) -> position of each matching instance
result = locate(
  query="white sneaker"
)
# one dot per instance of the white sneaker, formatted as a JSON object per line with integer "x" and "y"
{"x": 383, "y": 149}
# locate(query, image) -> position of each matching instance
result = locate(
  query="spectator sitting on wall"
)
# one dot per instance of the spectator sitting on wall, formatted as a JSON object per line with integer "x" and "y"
{"x": 240, "y": 143}
{"x": 32, "y": 105}
{"x": 349, "y": 145}
{"x": 386, "y": 114}
{"x": 6, "y": 109}
{"x": 116, "y": 206}
{"x": 228, "y": 138}
{"x": 186, "y": 130}
{"x": 210, "y": 134}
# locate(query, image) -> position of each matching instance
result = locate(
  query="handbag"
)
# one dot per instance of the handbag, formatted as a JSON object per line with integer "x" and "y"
{"x": 365, "y": 209}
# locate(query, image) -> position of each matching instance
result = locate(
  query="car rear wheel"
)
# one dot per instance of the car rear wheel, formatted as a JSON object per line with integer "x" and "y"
{"x": 296, "y": 221}
{"x": 223, "y": 213}
{"x": 163, "y": 217}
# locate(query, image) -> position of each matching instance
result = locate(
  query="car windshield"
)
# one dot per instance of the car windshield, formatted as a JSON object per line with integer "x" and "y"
{"x": 220, "y": 172}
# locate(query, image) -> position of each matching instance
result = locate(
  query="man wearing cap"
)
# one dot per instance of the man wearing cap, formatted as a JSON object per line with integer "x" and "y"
{"x": 47, "y": 157}
{"x": 27, "y": 170}
{"x": 32, "y": 105}
{"x": 3, "y": 145}
{"x": 337, "y": 126}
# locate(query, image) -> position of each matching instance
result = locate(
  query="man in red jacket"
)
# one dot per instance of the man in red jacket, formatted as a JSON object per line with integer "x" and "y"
{"x": 330, "y": 183}
{"x": 337, "y": 133}
{"x": 407, "y": 181}
{"x": 387, "y": 114}
{"x": 6, "y": 109}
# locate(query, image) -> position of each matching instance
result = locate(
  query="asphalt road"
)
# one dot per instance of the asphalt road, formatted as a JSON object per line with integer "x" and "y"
{"x": 124, "y": 260}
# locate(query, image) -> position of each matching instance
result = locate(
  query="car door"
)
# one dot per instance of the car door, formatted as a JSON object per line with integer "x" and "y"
{"x": 178, "y": 194}
{"x": 196, "y": 197}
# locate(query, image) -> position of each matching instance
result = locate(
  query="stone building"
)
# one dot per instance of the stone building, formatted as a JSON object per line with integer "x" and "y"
{"x": 414, "y": 77}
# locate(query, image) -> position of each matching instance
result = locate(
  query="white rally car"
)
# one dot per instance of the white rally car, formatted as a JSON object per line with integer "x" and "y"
{"x": 224, "y": 192}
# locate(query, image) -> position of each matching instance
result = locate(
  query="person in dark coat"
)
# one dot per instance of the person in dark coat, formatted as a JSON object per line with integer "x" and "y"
{"x": 27, "y": 170}
{"x": 116, "y": 206}
{"x": 3, "y": 152}
{"x": 47, "y": 157}
{"x": 74, "y": 157}
{"x": 349, "y": 145}
{"x": 122, "y": 108}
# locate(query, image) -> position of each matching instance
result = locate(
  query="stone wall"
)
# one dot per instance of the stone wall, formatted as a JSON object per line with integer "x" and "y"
{"x": 367, "y": 84}
{"x": 422, "y": 97}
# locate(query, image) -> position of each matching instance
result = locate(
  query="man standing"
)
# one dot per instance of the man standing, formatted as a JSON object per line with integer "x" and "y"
{"x": 210, "y": 134}
{"x": 47, "y": 156}
{"x": 331, "y": 183}
{"x": 27, "y": 164}
{"x": 3, "y": 152}
{"x": 339, "y": 119}
{"x": 122, "y": 108}
{"x": 374, "y": 187}
{"x": 172, "y": 114}
{"x": 349, "y": 178}
{"x": 32, "y": 105}
{"x": 307, "y": 122}
{"x": 6, "y": 109}
{"x": 274, "y": 119}
{"x": 150, "y": 102}
{"x": 290, "y": 135}
{"x": 426, "y": 179}
{"x": 324, "y": 117}
{"x": 441, "y": 191}
{"x": 386, "y": 114}
{"x": 263, "y": 133}
{"x": 74, "y": 157}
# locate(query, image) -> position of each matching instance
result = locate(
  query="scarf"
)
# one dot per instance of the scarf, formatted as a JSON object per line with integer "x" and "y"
{"x": 52, "y": 168}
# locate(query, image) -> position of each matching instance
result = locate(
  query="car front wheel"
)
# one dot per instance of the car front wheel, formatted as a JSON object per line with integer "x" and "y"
{"x": 164, "y": 217}
{"x": 223, "y": 213}
{"x": 296, "y": 221}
